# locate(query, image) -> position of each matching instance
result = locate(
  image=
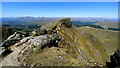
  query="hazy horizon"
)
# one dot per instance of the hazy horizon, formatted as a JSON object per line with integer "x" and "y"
{"x": 60, "y": 9}
{"x": 63, "y": 17}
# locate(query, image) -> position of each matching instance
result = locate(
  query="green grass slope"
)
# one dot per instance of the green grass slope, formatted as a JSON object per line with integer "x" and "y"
{"x": 108, "y": 24}
{"x": 108, "y": 38}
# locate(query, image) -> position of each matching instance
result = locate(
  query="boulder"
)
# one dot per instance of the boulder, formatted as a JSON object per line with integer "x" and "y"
{"x": 25, "y": 40}
{"x": 38, "y": 32}
{"x": 46, "y": 39}
{"x": 66, "y": 22}
{"x": 42, "y": 41}
{"x": 41, "y": 31}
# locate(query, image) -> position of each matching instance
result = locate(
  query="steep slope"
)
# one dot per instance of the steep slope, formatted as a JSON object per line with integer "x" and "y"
{"x": 82, "y": 47}
{"x": 115, "y": 60}
{"x": 108, "y": 38}
{"x": 6, "y": 32}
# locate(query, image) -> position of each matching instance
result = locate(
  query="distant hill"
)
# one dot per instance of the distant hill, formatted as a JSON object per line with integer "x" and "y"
{"x": 82, "y": 23}
{"x": 27, "y": 20}
{"x": 37, "y": 20}
{"x": 27, "y": 23}
{"x": 108, "y": 24}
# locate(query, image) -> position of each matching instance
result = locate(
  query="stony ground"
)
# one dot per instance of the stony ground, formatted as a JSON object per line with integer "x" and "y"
{"x": 11, "y": 59}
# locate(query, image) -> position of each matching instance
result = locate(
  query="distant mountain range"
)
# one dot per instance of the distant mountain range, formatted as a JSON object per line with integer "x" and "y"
{"x": 27, "y": 23}
{"x": 83, "y": 19}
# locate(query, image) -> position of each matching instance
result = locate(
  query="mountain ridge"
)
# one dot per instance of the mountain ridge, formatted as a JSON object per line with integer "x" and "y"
{"x": 62, "y": 40}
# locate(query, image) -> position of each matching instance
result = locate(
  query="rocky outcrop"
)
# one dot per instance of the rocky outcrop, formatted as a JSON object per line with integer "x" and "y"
{"x": 45, "y": 40}
{"x": 115, "y": 60}
{"x": 39, "y": 41}
{"x": 6, "y": 32}
{"x": 11, "y": 40}
{"x": 66, "y": 22}
{"x": 39, "y": 31}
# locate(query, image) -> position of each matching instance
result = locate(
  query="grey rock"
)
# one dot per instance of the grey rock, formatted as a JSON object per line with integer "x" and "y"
{"x": 11, "y": 40}
{"x": 42, "y": 41}
{"x": 25, "y": 40}
{"x": 46, "y": 39}
{"x": 40, "y": 31}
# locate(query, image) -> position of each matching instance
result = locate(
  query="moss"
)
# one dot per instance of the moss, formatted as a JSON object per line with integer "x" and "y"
{"x": 37, "y": 50}
{"x": 35, "y": 35}
{"x": 9, "y": 48}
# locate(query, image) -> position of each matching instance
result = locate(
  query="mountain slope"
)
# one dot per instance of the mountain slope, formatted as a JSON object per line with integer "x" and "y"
{"x": 83, "y": 47}
{"x": 59, "y": 44}
{"x": 108, "y": 38}
{"x": 77, "y": 43}
{"x": 6, "y": 32}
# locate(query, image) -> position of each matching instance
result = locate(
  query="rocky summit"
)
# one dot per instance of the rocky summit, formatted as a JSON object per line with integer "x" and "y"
{"x": 59, "y": 44}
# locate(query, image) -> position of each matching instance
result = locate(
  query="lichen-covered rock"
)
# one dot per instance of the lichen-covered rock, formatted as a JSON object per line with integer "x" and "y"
{"x": 41, "y": 31}
{"x": 11, "y": 40}
{"x": 45, "y": 39}
{"x": 66, "y": 22}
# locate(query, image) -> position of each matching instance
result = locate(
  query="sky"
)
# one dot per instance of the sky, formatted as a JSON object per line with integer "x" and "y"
{"x": 60, "y": 9}
{"x": 59, "y": 0}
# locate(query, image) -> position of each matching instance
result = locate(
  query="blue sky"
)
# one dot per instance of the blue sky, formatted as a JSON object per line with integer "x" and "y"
{"x": 60, "y": 0}
{"x": 58, "y": 9}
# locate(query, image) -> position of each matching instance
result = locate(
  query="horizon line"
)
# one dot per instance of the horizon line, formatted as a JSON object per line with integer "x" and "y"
{"x": 60, "y": 16}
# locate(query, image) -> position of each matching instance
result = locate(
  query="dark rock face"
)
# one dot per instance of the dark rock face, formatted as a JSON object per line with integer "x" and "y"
{"x": 66, "y": 22}
{"x": 6, "y": 32}
{"x": 54, "y": 28}
{"x": 11, "y": 40}
{"x": 42, "y": 31}
{"x": 115, "y": 60}
{"x": 53, "y": 40}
